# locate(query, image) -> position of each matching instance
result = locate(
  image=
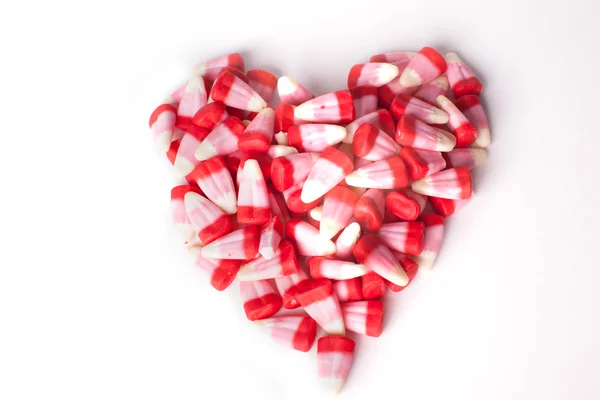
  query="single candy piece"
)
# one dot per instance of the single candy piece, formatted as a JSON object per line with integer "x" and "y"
{"x": 215, "y": 181}
{"x": 307, "y": 239}
{"x": 470, "y": 106}
{"x": 235, "y": 71}
{"x": 253, "y": 199}
{"x": 185, "y": 161}
{"x": 211, "y": 69}
{"x": 162, "y": 124}
{"x": 316, "y": 213}
{"x": 405, "y": 237}
{"x": 208, "y": 220}
{"x": 421, "y": 163}
{"x": 459, "y": 125}
{"x": 263, "y": 82}
{"x": 398, "y": 58}
{"x": 291, "y": 92}
{"x": 237, "y": 245}
{"x": 462, "y": 80}
{"x": 288, "y": 171}
{"x": 287, "y": 286}
{"x": 338, "y": 208}
{"x": 434, "y": 235}
{"x": 258, "y": 134}
{"x": 373, "y": 144}
{"x": 454, "y": 183}
{"x": 387, "y": 93}
{"x": 431, "y": 91}
{"x": 294, "y": 201}
{"x": 346, "y": 240}
{"x": 222, "y": 140}
{"x": 365, "y": 100}
{"x": 372, "y": 252}
{"x": 283, "y": 263}
{"x": 372, "y": 285}
{"x": 406, "y": 204}
{"x": 320, "y": 303}
{"x": 409, "y": 266}
{"x": 371, "y": 74}
{"x": 364, "y": 317}
{"x": 297, "y": 332}
{"x": 348, "y": 290}
{"x": 413, "y": 133}
{"x": 331, "y": 108}
{"x": 446, "y": 207}
{"x": 179, "y": 213}
{"x": 210, "y": 116}
{"x": 260, "y": 299}
{"x": 330, "y": 169}
{"x": 315, "y": 137}
{"x": 470, "y": 158}
{"x": 278, "y": 206}
{"x": 264, "y": 162}
{"x": 221, "y": 272}
{"x": 334, "y": 358}
{"x": 381, "y": 119}
{"x": 417, "y": 108}
{"x": 234, "y": 92}
{"x": 277, "y": 150}
{"x": 193, "y": 99}
{"x": 385, "y": 174}
{"x": 370, "y": 209}
{"x": 281, "y": 138}
{"x": 327, "y": 267}
{"x": 270, "y": 237}
{"x": 425, "y": 66}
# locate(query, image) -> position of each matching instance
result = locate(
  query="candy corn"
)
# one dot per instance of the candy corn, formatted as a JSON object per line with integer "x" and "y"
{"x": 291, "y": 92}
{"x": 346, "y": 240}
{"x": 263, "y": 82}
{"x": 258, "y": 135}
{"x": 446, "y": 207}
{"x": 348, "y": 290}
{"x": 409, "y": 266}
{"x": 327, "y": 267}
{"x": 215, "y": 181}
{"x": 297, "y": 332}
{"x": 462, "y": 80}
{"x": 369, "y": 210}
{"x": 260, "y": 299}
{"x": 385, "y": 174}
{"x": 334, "y": 358}
{"x": 459, "y": 125}
{"x": 330, "y": 108}
{"x": 315, "y": 137}
{"x": 330, "y": 169}
{"x": 421, "y": 163}
{"x": 398, "y": 58}
{"x": 365, "y": 100}
{"x": 283, "y": 263}
{"x": 372, "y": 252}
{"x": 162, "y": 125}
{"x": 234, "y": 92}
{"x": 270, "y": 237}
{"x": 253, "y": 200}
{"x": 210, "y": 116}
{"x": 414, "y": 133}
{"x": 434, "y": 235}
{"x": 193, "y": 99}
{"x": 338, "y": 208}
{"x": 237, "y": 245}
{"x": 472, "y": 109}
{"x": 287, "y": 286}
{"x": 424, "y": 67}
{"x": 320, "y": 303}
{"x": 416, "y": 108}
{"x": 405, "y": 204}
{"x": 221, "y": 272}
{"x": 222, "y": 140}
{"x": 179, "y": 213}
{"x": 185, "y": 161}
{"x": 288, "y": 171}
{"x": 211, "y": 69}
{"x": 307, "y": 239}
{"x": 372, "y": 74}
{"x": 470, "y": 158}
{"x": 373, "y": 144}
{"x": 207, "y": 219}
{"x": 430, "y": 92}
{"x": 405, "y": 237}
{"x": 380, "y": 119}
{"x": 372, "y": 286}
{"x": 364, "y": 317}
{"x": 454, "y": 183}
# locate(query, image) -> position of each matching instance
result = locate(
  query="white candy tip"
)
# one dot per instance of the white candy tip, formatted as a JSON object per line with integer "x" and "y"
{"x": 332, "y": 385}
{"x": 311, "y": 191}
{"x": 421, "y": 186}
{"x": 195, "y": 251}
{"x": 329, "y": 228}
{"x": 286, "y": 86}
{"x": 438, "y": 116}
{"x": 357, "y": 179}
{"x": 387, "y": 72}
{"x": 479, "y": 156}
{"x": 327, "y": 247}
{"x": 267, "y": 253}
{"x": 282, "y": 138}
{"x": 252, "y": 169}
{"x": 483, "y": 138}
{"x": 335, "y": 133}
{"x": 304, "y": 111}
{"x": 256, "y": 103}
{"x": 316, "y": 213}
{"x": 410, "y": 78}
{"x": 398, "y": 277}
{"x": 204, "y": 151}
{"x": 452, "y": 57}
{"x": 195, "y": 83}
{"x": 163, "y": 142}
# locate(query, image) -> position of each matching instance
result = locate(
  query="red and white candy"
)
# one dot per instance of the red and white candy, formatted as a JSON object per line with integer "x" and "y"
{"x": 424, "y": 67}
{"x": 364, "y": 317}
{"x": 297, "y": 332}
{"x": 234, "y": 92}
{"x": 319, "y": 301}
{"x": 334, "y": 358}
{"x": 331, "y": 108}
{"x": 283, "y": 263}
{"x": 260, "y": 299}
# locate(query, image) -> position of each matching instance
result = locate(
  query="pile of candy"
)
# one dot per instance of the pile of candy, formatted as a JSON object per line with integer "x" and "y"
{"x": 352, "y": 186}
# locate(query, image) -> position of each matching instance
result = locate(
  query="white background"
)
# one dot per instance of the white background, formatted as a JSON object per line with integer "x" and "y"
{"x": 99, "y": 300}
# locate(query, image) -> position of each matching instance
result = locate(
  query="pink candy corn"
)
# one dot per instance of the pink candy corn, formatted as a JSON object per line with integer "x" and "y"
{"x": 258, "y": 134}
{"x": 346, "y": 240}
{"x": 330, "y": 169}
{"x": 406, "y": 204}
{"x": 264, "y": 162}
{"x": 373, "y": 144}
{"x": 291, "y": 92}
{"x": 414, "y": 107}
{"x": 270, "y": 237}
{"x": 288, "y": 171}
{"x": 369, "y": 210}
{"x": 371, "y": 74}
{"x": 260, "y": 300}
{"x": 307, "y": 239}
{"x": 388, "y": 92}
{"x": 185, "y": 161}
{"x": 430, "y": 92}
{"x": 222, "y": 140}
{"x": 372, "y": 252}
{"x": 283, "y": 263}
{"x": 162, "y": 125}
{"x": 253, "y": 199}
{"x": 234, "y": 92}
{"x": 297, "y": 332}
{"x": 284, "y": 118}
{"x": 421, "y": 163}
{"x": 320, "y": 303}
{"x": 331, "y": 108}
{"x": 263, "y": 82}
{"x": 193, "y": 99}
{"x": 405, "y": 237}
{"x": 469, "y": 158}
{"x": 462, "y": 80}
{"x": 380, "y": 118}
{"x": 459, "y": 125}
{"x": 210, "y": 116}
{"x": 365, "y": 100}
{"x": 470, "y": 106}
{"x": 446, "y": 207}
{"x": 221, "y": 272}
{"x": 385, "y": 174}
{"x": 413, "y": 133}
{"x": 338, "y": 208}
{"x": 207, "y": 219}
{"x": 364, "y": 317}
{"x": 348, "y": 290}
{"x": 425, "y": 66}
{"x": 372, "y": 285}
{"x": 409, "y": 266}
{"x": 278, "y": 206}
{"x": 287, "y": 286}
{"x": 434, "y": 235}
{"x": 454, "y": 183}
{"x": 327, "y": 267}
{"x": 277, "y": 150}
{"x": 237, "y": 245}
{"x": 179, "y": 214}
{"x": 215, "y": 181}
{"x": 211, "y": 69}
{"x": 398, "y": 58}
{"x": 294, "y": 202}
{"x": 315, "y": 137}
{"x": 334, "y": 358}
